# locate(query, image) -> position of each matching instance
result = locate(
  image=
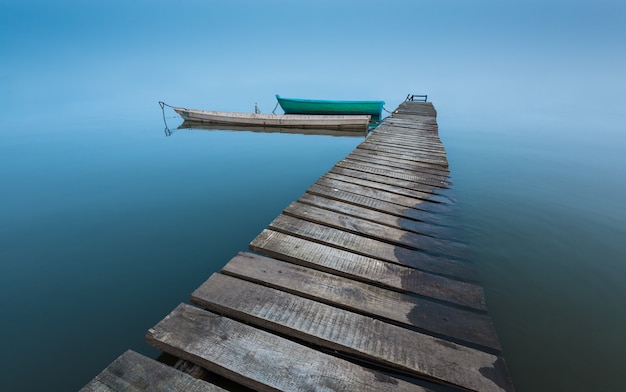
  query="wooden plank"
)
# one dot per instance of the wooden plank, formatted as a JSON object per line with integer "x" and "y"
{"x": 368, "y": 269}
{"x": 378, "y": 231}
{"x": 376, "y": 191}
{"x": 419, "y": 136}
{"x": 325, "y": 187}
{"x": 427, "y": 158}
{"x": 259, "y": 359}
{"x": 387, "y": 168}
{"x": 416, "y": 136}
{"x": 422, "y": 167}
{"x": 412, "y": 130}
{"x": 416, "y": 107}
{"x": 420, "y": 182}
{"x": 395, "y": 172}
{"x": 373, "y": 248}
{"x": 410, "y": 123}
{"x": 134, "y": 372}
{"x": 414, "y": 145}
{"x": 433, "y": 318}
{"x": 353, "y": 334}
{"x": 409, "y": 143}
{"x": 437, "y": 203}
{"x": 409, "y": 173}
{"x": 389, "y": 179}
{"x": 383, "y": 218}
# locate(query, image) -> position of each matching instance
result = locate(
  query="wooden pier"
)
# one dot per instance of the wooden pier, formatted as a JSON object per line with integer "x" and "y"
{"x": 359, "y": 285}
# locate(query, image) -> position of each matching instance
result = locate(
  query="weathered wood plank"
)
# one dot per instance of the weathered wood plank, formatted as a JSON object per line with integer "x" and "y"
{"x": 437, "y": 203}
{"x": 325, "y": 187}
{"x": 436, "y": 210}
{"x": 416, "y": 137}
{"x": 259, "y": 359}
{"x": 373, "y": 248}
{"x": 439, "y": 194}
{"x": 417, "y": 108}
{"x": 134, "y": 372}
{"x": 383, "y": 218}
{"x": 378, "y": 231}
{"x": 401, "y": 153}
{"x": 353, "y": 334}
{"x": 433, "y": 318}
{"x": 409, "y": 144}
{"x": 385, "y": 168}
{"x": 422, "y": 167}
{"x": 425, "y": 126}
{"x": 397, "y": 164}
{"x": 425, "y": 133}
{"x": 368, "y": 269}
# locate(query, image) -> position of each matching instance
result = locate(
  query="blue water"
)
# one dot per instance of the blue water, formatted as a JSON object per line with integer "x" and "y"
{"x": 106, "y": 223}
{"x": 111, "y": 227}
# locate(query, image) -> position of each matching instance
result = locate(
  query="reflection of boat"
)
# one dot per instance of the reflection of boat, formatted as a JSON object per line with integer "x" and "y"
{"x": 250, "y": 128}
{"x": 320, "y": 106}
{"x": 354, "y": 122}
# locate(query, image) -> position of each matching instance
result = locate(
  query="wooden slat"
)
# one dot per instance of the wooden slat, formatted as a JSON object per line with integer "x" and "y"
{"x": 389, "y": 179}
{"x": 367, "y": 269}
{"x": 410, "y": 145}
{"x": 427, "y": 158}
{"x": 399, "y": 167}
{"x": 408, "y": 127}
{"x": 373, "y": 248}
{"x": 259, "y": 359}
{"x": 436, "y": 172}
{"x": 415, "y": 142}
{"x": 438, "y": 203}
{"x": 383, "y": 218}
{"x": 437, "y": 195}
{"x": 398, "y": 173}
{"x": 431, "y": 317}
{"x": 422, "y": 132}
{"x": 134, "y": 372}
{"x": 379, "y": 193}
{"x": 386, "y": 155}
{"x": 351, "y": 224}
{"x": 416, "y": 137}
{"x": 326, "y": 188}
{"x": 353, "y": 334}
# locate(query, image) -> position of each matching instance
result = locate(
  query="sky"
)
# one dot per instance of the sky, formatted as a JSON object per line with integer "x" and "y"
{"x": 88, "y": 58}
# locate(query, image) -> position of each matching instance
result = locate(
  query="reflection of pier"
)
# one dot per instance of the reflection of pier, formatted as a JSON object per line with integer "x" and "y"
{"x": 361, "y": 284}
{"x": 251, "y": 128}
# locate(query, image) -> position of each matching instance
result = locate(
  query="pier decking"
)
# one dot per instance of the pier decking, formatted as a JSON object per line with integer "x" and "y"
{"x": 361, "y": 284}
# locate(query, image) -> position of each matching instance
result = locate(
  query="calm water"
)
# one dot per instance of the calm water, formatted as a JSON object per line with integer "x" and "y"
{"x": 106, "y": 228}
{"x": 106, "y": 224}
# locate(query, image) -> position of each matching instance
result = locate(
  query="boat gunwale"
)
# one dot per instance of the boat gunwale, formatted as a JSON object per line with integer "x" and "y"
{"x": 268, "y": 116}
{"x": 331, "y": 101}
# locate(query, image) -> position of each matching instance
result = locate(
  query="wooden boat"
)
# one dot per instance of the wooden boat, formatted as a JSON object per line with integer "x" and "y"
{"x": 189, "y": 125}
{"x": 341, "y": 122}
{"x": 320, "y": 106}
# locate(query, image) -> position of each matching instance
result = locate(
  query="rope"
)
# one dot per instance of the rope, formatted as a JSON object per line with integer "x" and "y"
{"x": 387, "y": 110}
{"x": 274, "y": 111}
{"x": 163, "y": 105}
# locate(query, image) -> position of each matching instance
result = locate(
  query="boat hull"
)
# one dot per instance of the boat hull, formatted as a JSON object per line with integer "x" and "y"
{"x": 339, "y": 122}
{"x": 273, "y": 129}
{"x": 318, "y": 106}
